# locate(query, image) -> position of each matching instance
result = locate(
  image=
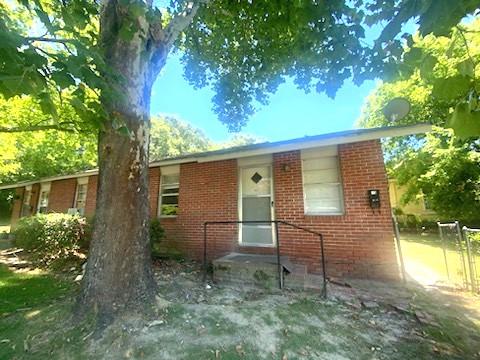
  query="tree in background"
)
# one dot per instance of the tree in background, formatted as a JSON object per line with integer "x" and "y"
{"x": 170, "y": 137}
{"x": 443, "y": 167}
{"x": 242, "y": 49}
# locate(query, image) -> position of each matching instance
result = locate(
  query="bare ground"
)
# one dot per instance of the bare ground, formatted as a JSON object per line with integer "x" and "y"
{"x": 363, "y": 320}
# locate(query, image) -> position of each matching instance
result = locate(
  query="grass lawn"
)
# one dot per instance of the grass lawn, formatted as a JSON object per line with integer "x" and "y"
{"x": 424, "y": 258}
{"x": 193, "y": 322}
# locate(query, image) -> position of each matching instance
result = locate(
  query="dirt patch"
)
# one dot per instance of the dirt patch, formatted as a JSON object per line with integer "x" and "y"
{"x": 233, "y": 322}
{"x": 194, "y": 320}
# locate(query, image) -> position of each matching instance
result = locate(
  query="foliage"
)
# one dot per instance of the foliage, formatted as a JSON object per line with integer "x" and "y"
{"x": 444, "y": 72}
{"x": 32, "y": 155}
{"x": 51, "y": 238}
{"x": 447, "y": 172}
{"x": 170, "y": 137}
{"x": 156, "y": 236}
{"x": 240, "y": 139}
{"x": 53, "y": 46}
{"x": 441, "y": 166}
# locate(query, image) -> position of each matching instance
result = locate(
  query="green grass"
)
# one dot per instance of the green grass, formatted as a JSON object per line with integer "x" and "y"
{"x": 428, "y": 251}
{"x": 35, "y": 310}
{"x": 28, "y": 290}
{"x": 36, "y": 323}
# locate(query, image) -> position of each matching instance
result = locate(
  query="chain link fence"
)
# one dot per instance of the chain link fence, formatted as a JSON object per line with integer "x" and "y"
{"x": 471, "y": 238}
{"x": 454, "y": 256}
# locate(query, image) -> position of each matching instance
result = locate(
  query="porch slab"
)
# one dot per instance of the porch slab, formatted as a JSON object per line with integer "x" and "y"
{"x": 262, "y": 271}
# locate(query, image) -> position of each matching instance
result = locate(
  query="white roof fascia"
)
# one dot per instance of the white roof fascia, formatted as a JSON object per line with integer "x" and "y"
{"x": 268, "y": 149}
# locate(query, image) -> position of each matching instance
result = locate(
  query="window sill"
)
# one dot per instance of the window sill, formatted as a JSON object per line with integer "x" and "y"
{"x": 244, "y": 245}
{"x": 168, "y": 216}
{"x": 325, "y": 214}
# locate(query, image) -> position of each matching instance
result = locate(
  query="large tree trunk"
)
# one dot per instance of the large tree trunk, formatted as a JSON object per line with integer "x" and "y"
{"x": 119, "y": 274}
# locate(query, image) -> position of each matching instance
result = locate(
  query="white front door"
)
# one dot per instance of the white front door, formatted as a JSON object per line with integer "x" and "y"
{"x": 256, "y": 204}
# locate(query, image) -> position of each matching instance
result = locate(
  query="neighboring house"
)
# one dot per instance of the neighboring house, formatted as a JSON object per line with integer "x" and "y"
{"x": 418, "y": 207}
{"x": 319, "y": 182}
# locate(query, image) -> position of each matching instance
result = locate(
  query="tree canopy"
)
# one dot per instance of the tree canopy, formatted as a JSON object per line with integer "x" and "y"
{"x": 442, "y": 166}
{"x": 243, "y": 49}
{"x": 26, "y": 155}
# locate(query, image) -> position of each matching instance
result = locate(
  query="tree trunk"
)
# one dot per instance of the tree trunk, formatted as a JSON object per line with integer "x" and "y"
{"x": 119, "y": 275}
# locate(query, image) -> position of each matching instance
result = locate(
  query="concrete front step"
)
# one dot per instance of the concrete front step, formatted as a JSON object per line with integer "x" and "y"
{"x": 261, "y": 271}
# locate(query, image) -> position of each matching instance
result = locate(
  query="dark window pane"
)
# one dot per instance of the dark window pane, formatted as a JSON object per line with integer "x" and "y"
{"x": 256, "y": 209}
{"x": 170, "y": 191}
{"x": 170, "y": 200}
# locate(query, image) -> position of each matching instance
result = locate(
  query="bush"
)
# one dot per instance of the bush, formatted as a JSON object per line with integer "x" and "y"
{"x": 51, "y": 238}
{"x": 156, "y": 235}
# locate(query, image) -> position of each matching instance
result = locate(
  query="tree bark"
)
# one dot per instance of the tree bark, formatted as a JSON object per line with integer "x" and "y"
{"x": 119, "y": 275}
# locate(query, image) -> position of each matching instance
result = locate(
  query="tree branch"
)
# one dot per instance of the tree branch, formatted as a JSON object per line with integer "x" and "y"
{"x": 31, "y": 128}
{"x": 181, "y": 21}
{"x": 45, "y": 39}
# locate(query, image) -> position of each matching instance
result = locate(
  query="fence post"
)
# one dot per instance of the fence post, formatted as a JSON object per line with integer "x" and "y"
{"x": 473, "y": 279}
{"x": 279, "y": 265}
{"x": 205, "y": 251}
{"x": 460, "y": 244}
{"x": 399, "y": 247}
{"x": 324, "y": 271}
{"x": 444, "y": 249}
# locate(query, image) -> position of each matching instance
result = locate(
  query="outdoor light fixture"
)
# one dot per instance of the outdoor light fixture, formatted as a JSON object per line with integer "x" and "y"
{"x": 286, "y": 167}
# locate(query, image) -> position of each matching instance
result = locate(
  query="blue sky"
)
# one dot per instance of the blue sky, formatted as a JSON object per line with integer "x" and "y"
{"x": 291, "y": 113}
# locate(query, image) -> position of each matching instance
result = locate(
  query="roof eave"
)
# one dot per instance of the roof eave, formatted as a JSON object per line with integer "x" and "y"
{"x": 263, "y": 149}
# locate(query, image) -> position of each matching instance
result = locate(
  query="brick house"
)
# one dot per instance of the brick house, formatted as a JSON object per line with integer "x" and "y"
{"x": 327, "y": 183}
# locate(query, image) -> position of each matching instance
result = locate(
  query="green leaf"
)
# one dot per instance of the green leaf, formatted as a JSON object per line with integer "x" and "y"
{"x": 464, "y": 122}
{"x": 43, "y": 16}
{"x": 47, "y": 105}
{"x": 466, "y": 68}
{"x": 63, "y": 79}
{"x": 451, "y": 87}
{"x": 427, "y": 66}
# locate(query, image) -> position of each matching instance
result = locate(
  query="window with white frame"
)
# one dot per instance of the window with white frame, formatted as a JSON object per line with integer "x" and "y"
{"x": 169, "y": 190}
{"x": 322, "y": 186}
{"x": 43, "y": 199}
{"x": 81, "y": 195}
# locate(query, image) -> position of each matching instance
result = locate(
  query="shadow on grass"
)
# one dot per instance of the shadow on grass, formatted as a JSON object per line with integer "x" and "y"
{"x": 25, "y": 290}
{"x": 430, "y": 239}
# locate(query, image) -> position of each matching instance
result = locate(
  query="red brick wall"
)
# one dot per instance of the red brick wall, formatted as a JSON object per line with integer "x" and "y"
{"x": 17, "y": 205}
{"x": 154, "y": 176}
{"x": 208, "y": 192}
{"x": 154, "y": 185}
{"x": 91, "y": 196}
{"x": 62, "y": 195}
{"x": 34, "y": 199}
{"x": 357, "y": 243}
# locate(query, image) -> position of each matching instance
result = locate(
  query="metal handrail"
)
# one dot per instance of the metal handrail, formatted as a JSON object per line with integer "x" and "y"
{"x": 276, "y": 222}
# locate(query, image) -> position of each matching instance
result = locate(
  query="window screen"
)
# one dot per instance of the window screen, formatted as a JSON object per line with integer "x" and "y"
{"x": 169, "y": 190}
{"x": 43, "y": 202}
{"x": 321, "y": 182}
{"x": 81, "y": 198}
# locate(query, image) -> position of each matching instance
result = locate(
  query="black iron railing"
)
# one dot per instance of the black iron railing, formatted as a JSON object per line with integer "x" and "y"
{"x": 279, "y": 265}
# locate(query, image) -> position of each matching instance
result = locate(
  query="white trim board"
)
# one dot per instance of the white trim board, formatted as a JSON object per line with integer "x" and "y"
{"x": 344, "y": 137}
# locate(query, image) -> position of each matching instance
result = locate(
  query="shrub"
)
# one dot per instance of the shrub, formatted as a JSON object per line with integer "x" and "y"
{"x": 156, "y": 235}
{"x": 51, "y": 238}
